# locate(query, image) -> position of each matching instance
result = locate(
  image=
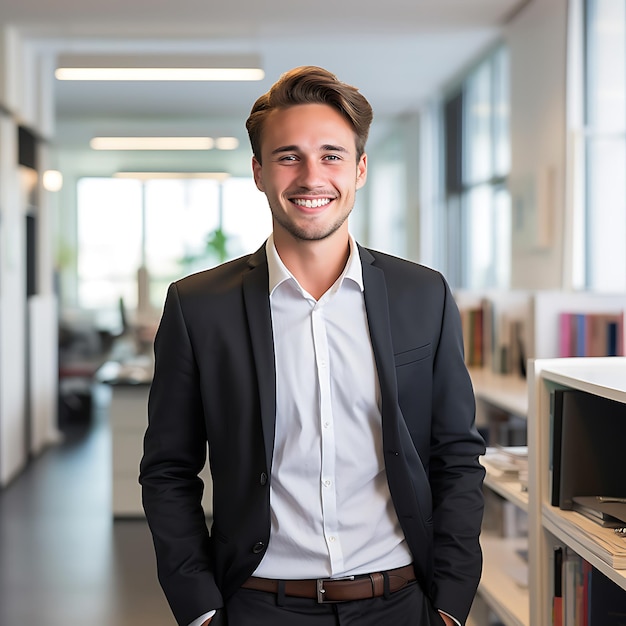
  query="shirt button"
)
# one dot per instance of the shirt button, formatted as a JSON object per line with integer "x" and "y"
{"x": 326, "y": 424}
{"x": 327, "y": 483}
{"x": 263, "y": 478}
{"x": 331, "y": 538}
{"x": 258, "y": 547}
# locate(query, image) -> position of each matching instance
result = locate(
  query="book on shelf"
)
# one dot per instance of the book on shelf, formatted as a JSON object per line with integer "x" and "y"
{"x": 509, "y": 350}
{"x": 606, "y": 601}
{"x": 493, "y": 338}
{"x": 557, "y": 596}
{"x": 556, "y": 420}
{"x": 472, "y": 323}
{"x": 587, "y": 597}
{"x": 572, "y": 580}
{"x": 591, "y": 334}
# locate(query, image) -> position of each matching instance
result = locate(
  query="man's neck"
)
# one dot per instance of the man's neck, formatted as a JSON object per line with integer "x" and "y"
{"x": 316, "y": 265}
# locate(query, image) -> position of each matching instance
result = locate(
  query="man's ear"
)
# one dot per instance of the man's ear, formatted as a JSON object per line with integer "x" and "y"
{"x": 257, "y": 170}
{"x": 361, "y": 171}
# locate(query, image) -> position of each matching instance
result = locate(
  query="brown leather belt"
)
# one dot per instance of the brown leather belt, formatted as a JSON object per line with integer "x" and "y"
{"x": 338, "y": 589}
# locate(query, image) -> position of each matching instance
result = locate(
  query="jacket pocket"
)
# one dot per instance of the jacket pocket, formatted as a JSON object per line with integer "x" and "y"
{"x": 411, "y": 356}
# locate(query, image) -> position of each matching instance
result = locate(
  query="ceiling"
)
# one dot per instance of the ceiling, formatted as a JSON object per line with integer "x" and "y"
{"x": 398, "y": 52}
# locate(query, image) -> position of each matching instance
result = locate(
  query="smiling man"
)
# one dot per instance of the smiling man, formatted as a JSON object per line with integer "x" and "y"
{"x": 328, "y": 381}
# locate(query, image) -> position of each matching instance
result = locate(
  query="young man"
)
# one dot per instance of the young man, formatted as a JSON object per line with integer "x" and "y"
{"x": 329, "y": 383}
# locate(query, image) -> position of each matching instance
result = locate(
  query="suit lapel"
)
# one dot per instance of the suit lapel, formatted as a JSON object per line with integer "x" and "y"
{"x": 401, "y": 455}
{"x": 377, "y": 306}
{"x": 256, "y": 298}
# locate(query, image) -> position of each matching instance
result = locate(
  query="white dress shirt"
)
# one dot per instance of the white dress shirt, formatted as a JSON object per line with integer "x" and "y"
{"x": 331, "y": 510}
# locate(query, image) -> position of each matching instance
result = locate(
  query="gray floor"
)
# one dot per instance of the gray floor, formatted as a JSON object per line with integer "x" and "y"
{"x": 63, "y": 560}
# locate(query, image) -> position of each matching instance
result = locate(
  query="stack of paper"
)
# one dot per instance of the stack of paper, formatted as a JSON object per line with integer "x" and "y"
{"x": 508, "y": 463}
{"x": 603, "y": 542}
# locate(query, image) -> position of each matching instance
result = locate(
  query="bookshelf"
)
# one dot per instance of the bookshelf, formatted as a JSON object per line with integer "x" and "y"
{"x": 546, "y": 308}
{"x": 549, "y": 526}
{"x": 501, "y": 394}
{"x": 501, "y": 329}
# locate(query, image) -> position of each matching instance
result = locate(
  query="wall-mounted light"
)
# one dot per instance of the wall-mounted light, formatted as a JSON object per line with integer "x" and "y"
{"x": 175, "y": 67}
{"x": 52, "y": 180}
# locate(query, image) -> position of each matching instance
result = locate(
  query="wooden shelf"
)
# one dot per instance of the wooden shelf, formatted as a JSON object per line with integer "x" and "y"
{"x": 602, "y": 376}
{"x": 507, "y": 392}
{"x": 511, "y": 490}
{"x": 503, "y": 583}
{"x": 588, "y": 539}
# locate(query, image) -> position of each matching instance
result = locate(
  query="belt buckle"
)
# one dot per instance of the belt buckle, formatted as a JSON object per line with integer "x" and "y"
{"x": 320, "y": 591}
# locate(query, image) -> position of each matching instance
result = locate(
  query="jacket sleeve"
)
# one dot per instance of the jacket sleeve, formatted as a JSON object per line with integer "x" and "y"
{"x": 455, "y": 474}
{"x": 175, "y": 447}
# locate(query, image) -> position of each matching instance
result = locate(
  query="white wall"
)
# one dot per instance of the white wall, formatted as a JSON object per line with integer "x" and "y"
{"x": 28, "y": 331}
{"x": 13, "y": 448}
{"x": 537, "y": 39}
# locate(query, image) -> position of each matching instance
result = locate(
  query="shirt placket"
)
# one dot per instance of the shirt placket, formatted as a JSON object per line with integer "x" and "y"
{"x": 328, "y": 442}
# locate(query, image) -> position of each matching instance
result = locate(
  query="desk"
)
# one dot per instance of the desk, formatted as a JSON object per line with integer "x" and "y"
{"x": 128, "y": 418}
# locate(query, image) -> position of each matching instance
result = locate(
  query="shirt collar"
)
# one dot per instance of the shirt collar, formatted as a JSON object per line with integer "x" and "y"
{"x": 278, "y": 272}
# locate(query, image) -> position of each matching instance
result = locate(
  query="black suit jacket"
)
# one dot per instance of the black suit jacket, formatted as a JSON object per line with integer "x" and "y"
{"x": 214, "y": 381}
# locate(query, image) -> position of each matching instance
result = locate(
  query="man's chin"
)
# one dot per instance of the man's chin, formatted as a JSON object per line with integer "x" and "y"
{"x": 311, "y": 232}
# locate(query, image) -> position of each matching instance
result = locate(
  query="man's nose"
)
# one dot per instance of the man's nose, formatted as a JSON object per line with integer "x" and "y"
{"x": 311, "y": 173}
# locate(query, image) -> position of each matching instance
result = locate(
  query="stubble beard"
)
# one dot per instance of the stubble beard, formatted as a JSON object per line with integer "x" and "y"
{"x": 311, "y": 233}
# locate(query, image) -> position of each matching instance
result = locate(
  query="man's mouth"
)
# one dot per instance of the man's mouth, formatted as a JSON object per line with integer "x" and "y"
{"x": 311, "y": 204}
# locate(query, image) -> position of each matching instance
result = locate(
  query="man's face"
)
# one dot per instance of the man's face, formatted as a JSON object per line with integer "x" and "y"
{"x": 310, "y": 171}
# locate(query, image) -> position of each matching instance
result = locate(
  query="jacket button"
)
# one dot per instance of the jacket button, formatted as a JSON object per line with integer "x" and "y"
{"x": 263, "y": 479}
{"x": 258, "y": 547}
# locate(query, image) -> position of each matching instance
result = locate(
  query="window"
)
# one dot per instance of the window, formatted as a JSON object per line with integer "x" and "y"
{"x": 477, "y": 161}
{"x": 170, "y": 227}
{"x": 109, "y": 236}
{"x": 605, "y": 145}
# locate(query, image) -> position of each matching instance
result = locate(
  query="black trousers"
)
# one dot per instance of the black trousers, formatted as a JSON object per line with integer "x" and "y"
{"x": 407, "y": 607}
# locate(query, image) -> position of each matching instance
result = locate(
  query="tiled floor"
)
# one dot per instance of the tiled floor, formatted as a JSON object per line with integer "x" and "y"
{"x": 63, "y": 560}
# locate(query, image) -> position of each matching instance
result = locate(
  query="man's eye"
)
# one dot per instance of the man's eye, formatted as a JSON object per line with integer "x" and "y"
{"x": 332, "y": 157}
{"x": 287, "y": 157}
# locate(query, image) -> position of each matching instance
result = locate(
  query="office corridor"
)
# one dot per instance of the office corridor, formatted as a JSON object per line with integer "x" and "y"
{"x": 63, "y": 560}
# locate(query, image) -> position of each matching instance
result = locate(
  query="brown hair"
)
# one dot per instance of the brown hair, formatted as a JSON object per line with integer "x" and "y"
{"x": 311, "y": 85}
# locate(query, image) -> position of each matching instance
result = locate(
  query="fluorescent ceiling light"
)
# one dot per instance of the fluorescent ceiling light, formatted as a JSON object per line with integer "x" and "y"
{"x": 159, "y": 73}
{"x": 227, "y": 143}
{"x": 172, "y": 175}
{"x": 152, "y": 143}
{"x": 159, "y": 67}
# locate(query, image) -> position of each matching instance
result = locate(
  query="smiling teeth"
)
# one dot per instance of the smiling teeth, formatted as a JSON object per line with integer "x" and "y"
{"x": 312, "y": 204}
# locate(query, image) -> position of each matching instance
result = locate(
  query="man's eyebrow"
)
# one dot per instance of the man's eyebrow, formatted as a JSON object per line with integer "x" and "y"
{"x": 281, "y": 149}
{"x": 324, "y": 148}
{"x": 333, "y": 148}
